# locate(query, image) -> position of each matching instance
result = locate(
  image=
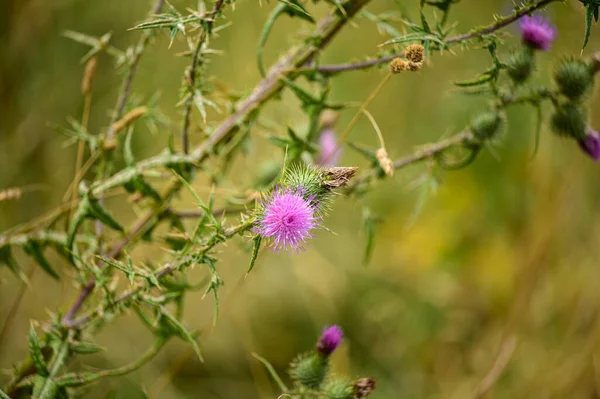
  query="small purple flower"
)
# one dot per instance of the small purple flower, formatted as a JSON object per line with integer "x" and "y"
{"x": 330, "y": 150}
{"x": 590, "y": 144}
{"x": 330, "y": 339}
{"x": 537, "y": 32}
{"x": 288, "y": 219}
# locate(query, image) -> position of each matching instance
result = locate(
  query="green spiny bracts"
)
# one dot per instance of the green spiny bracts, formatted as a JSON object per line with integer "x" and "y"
{"x": 569, "y": 120}
{"x": 339, "y": 388}
{"x": 520, "y": 65}
{"x": 574, "y": 78}
{"x": 310, "y": 370}
{"x": 487, "y": 126}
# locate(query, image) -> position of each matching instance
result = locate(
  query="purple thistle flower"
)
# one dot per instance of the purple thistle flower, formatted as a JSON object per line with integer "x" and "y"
{"x": 537, "y": 32}
{"x": 590, "y": 144}
{"x": 330, "y": 150}
{"x": 288, "y": 219}
{"x": 330, "y": 339}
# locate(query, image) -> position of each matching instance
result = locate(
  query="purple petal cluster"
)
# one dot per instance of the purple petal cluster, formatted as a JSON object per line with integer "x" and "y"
{"x": 537, "y": 32}
{"x": 330, "y": 150}
{"x": 330, "y": 339}
{"x": 288, "y": 219}
{"x": 590, "y": 144}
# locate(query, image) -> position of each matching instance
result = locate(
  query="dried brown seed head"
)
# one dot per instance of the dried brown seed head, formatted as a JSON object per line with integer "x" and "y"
{"x": 415, "y": 53}
{"x": 337, "y": 177}
{"x": 413, "y": 66}
{"x": 397, "y": 65}
{"x": 363, "y": 387}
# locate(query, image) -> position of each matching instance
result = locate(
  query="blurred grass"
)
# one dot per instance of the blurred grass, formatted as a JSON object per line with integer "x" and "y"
{"x": 506, "y": 247}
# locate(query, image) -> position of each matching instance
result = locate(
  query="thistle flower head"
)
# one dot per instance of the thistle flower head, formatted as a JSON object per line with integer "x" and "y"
{"x": 330, "y": 150}
{"x": 590, "y": 144}
{"x": 537, "y": 32}
{"x": 288, "y": 219}
{"x": 330, "y": 339}
{"x": 309, "y": 370}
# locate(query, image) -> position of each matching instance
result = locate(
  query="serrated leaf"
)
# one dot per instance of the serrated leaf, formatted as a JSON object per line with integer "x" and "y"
{"x": 255, "y": 249}
{"x": 86, "y": 348}
{"x": 475, "y": 82}
{"x": 7, "y": 258}
{"x": 97, "y": 211}
{"x": 44, "y": 388}
{"x": 72, "y": 380}
{"x": 590, "y": 11}
{"x": 34, "y": 249}
{"x": 182, "y": 332}
{"x": 35, "y": 351}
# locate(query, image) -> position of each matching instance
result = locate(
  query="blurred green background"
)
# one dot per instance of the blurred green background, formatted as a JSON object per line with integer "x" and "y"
{"x": 504, "y": 256}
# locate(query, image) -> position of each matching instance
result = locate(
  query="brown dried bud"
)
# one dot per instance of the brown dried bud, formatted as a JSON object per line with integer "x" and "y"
{"x": 415, "y": 53}
{"x": 88, "y": 75}
{"x": 328, "y": 118}
{"x": 337, "y": 177}
{"x": 11, "y": 193}
{"x": 128, "y": 119}
{"x": 363, "y": 387}
{"x": 413, "y": 66}
{"x": 109, "y": 144}
{"x": 397, "y": 65}
{"x": 385, "y": 162}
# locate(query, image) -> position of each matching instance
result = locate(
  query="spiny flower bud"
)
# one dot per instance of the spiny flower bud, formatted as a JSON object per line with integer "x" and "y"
{"x": 339, "y": 388}
{"x": 537, "y": 32}
{"x": 415, "y": 53}
{"x": 330, "y": 339}
{"x": 568, "y": 120}
{"x": 590, "y": 144}
{"x": 487, "y": 126}
{"x": 310, "y": 370}
{"x": 398, "y": 65}
{"x": 385, "y": 162}
{"x": 574, "y": 78}
{"x": 520, "y": 65}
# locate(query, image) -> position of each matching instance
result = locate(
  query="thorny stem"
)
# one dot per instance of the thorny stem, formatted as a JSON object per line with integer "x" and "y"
{"x": 165, "y": 270}
{"x": 266, "y": 89}
{"x": 501, "y": 23}
{"x": 191, "y": 78}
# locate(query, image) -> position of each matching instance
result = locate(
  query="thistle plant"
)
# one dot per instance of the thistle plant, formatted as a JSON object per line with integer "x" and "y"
{"x": 287, "y": 203}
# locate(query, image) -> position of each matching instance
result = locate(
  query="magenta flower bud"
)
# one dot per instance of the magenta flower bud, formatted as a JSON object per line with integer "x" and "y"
{"x": 330, "y": 150}
{"x": 288, "y": 219}
{"x": 537, "y": 32}
{"x": 590, "y": 144}
{"x": 330, "y": 339}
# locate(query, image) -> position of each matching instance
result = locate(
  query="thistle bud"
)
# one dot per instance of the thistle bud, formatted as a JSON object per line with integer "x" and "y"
{"x": 487, "y": 126}
{"x": 590, "y": 144}
{"x": 568, "y": 120}
{"x": 415, "y": 53}
{"x": 574, "y": 78}
{"x": 398, "y": 65}
{"x": 310, "y": 370}
{"x": 520, "y": 65}
{"x": 339, "y": 388}
{"x": 330, "y": 339}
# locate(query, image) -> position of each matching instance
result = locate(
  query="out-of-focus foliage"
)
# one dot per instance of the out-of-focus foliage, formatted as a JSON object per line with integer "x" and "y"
{"x": 494, "y": 270}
